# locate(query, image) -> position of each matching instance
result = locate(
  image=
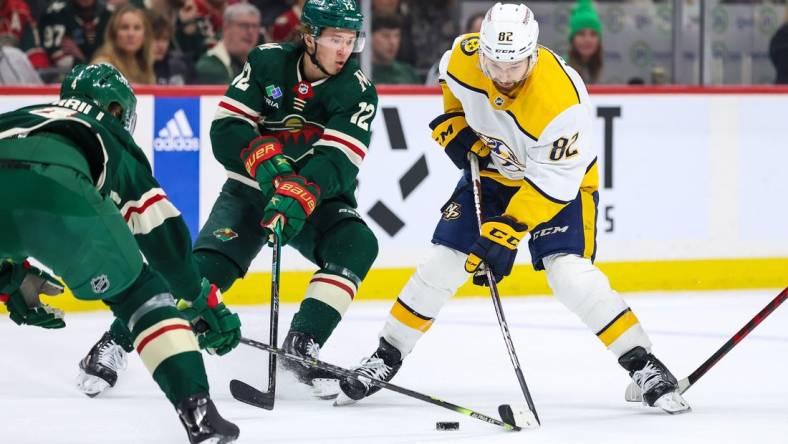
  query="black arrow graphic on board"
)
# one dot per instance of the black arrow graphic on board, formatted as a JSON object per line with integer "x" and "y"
{"x": 380, "y": 213}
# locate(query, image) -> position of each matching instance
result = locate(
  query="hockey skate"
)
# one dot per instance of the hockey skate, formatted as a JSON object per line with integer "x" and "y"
{"x": 203, "y": 423}
{"x": 658, "y": 385}
{"x": 325, "y": 385}
{"x": 98, "y": 371}
{"x": 383, "y": 365}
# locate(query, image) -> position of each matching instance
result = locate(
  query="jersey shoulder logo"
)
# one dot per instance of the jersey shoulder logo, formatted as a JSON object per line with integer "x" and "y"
{"x": 470, "y": 45}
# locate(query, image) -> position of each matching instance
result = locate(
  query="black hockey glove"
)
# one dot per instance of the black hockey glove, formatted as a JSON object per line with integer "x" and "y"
{"x": 496, "y": 248}
{"x": 452, "y": 132}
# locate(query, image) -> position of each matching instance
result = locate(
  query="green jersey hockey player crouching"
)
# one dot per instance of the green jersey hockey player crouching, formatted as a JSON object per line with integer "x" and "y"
{"x": 291, "y": 132}
{"x": 76, "y": 193}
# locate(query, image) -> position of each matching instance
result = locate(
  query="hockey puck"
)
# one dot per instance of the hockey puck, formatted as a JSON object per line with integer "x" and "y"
{"x": 447, "y": 425}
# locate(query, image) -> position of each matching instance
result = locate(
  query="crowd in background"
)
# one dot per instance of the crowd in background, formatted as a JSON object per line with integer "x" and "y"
{"x": 177, "y": 42}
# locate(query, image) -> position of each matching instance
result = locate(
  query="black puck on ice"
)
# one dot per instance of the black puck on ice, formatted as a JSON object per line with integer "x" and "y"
{"x": 447, "y": 425}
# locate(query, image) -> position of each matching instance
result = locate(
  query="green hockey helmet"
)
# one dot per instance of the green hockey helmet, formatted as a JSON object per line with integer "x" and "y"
{"x": 103, "y": 85}
{"x": 339, "y": 14}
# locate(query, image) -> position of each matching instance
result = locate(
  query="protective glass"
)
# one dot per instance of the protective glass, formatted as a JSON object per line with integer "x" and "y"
{"x": 130, "y": 123}
{"x": 336, "y": 42}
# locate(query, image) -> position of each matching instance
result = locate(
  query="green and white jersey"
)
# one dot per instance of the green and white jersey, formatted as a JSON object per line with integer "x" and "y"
{"x": 119, "y": 170}
{"x": 325, "y": 126}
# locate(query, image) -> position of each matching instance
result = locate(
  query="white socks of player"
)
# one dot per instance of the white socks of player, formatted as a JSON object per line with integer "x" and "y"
{"x": 434, "y": 282}
{"x": 586, "y": 291}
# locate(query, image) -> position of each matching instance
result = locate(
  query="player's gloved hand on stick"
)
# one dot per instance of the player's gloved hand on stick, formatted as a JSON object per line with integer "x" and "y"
{"x": 294, "y": 200}
{"x": 20, "y": 288}
{"x": 458, "y": 139}
{"x": 264, "y": 161}
{"x": 218, "y": 329}
{"x": 496, "y": 247}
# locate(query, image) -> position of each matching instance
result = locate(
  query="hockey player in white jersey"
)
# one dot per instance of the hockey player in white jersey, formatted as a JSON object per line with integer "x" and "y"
{"x": 527, "y": 116}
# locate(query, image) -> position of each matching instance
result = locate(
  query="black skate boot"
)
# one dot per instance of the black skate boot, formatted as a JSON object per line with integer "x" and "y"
{"x": 325, "y": 385}
{"x": 98, "y": 371}
{"x": 203, "y": 423}
{"x": 383, "y": 365}
{"x": 658, "y": 385}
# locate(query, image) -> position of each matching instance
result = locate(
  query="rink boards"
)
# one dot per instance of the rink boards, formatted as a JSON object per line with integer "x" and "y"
{"x": 692, "y": 186}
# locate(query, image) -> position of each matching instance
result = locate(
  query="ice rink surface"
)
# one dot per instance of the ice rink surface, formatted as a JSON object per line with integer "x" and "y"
{"x": 576, "y": 384}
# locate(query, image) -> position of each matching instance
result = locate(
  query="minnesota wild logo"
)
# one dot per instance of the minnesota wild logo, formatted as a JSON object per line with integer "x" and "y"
{"x": 225, "y": 234}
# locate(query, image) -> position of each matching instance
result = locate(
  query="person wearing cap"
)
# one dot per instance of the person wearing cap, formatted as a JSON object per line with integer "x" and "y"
{"x": 585, "y": 42}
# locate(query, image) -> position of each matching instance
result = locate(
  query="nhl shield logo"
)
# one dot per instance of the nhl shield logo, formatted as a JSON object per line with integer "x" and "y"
{"x": 452, "y": 211}
{"x": 100, "y": 284}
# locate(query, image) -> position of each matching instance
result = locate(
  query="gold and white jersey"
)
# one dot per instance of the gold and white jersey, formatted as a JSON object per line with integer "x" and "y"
{"x": 540, "y": 137}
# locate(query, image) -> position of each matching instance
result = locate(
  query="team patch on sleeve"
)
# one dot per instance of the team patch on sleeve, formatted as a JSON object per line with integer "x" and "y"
{"x": 163, "y": 340}
{"x": 150, "y": 211}
{"x": 351, "y": 147}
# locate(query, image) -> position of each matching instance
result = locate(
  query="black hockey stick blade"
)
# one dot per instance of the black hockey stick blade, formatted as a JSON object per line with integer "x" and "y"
{"x": 250, "y": 395}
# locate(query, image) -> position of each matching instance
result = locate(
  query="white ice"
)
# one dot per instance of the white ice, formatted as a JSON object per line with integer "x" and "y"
{"x": 576, "y": 384}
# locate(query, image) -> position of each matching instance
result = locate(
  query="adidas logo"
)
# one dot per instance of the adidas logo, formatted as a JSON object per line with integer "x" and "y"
{"x": 177, "y": 135}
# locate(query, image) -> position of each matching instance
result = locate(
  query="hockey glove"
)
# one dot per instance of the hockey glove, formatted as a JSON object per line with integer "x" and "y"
{"x": 496, "y": 247}
{"x": 294, "y": 200}
{"x": 264, "y": 161}
{"x": 218, "y": 329}
{"x": 20, "y": 288}
{"x": 452, "y": 132}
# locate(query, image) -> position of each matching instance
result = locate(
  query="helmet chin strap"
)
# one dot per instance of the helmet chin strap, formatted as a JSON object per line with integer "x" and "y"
{"x": 313, "y": 58}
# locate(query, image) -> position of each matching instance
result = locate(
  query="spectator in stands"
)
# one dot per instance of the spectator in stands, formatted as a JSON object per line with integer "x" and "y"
{"x": 385, "y": 8}
{"x": 386, "y": 35}
{"x": 285, "y": 27}
{"x": 194, "y": 33}
{"x": 437, "y": 25}
{"x": 18, "y": 28}
{"x": 778, "y": 52}
{"x": 128, "y": 45}
{"x": 169, "y": 64}
{"x": 213, "y": 9}
{"x": 72, "y": 30}
{"x": 585, "y": 41}
{"x": 472, "y": 24}
{"x": 225, "y": 60}
{"x": 15, "y": 68}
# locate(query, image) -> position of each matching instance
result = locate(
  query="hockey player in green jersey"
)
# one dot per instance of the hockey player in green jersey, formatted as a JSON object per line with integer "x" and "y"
{"x": 79, "y": 196}
{"x": 291, "y": 132}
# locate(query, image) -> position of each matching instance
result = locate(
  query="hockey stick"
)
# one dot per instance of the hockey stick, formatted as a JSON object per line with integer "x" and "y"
{"x": 633, "y": 393}
{"x": 507, "y": 337}
{"x": 239, "y": 389}
{"x": 508, "y": 424}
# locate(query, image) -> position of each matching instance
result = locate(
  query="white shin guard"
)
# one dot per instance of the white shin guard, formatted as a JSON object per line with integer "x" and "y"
{"x": 586, "y": 291}
{"x": 434, "y": 282}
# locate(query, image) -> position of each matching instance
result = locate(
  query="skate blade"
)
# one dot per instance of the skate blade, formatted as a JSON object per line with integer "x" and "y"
{"x": 633, "y": 393}
{"x": 90, "y": 385}
{"x": 325, "y": 388}
{"x": 343, "y": 400}
{"x": 673, "y": 403}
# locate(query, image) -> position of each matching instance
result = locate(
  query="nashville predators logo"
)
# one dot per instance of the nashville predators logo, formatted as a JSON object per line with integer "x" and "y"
{"x": 225, "y": 234}
{"x": 451, "y": 211}
{"x": 506, "y": 160}
{"x": 470, "y": 45}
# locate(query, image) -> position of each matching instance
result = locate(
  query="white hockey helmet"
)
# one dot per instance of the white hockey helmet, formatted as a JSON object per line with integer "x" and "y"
{"x": 508, "y": 37}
